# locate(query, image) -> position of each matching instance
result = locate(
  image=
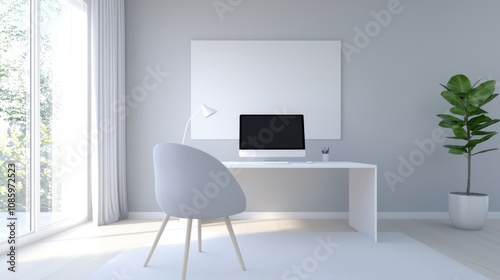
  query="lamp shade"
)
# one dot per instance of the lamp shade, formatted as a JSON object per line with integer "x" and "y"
{"x": 207, "y": 111}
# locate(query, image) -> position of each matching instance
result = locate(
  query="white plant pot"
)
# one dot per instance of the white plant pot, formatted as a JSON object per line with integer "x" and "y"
{"x": 468, "y": 211}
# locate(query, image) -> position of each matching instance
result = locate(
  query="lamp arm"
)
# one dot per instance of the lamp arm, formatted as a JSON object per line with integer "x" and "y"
{"x": 187, "y": 123}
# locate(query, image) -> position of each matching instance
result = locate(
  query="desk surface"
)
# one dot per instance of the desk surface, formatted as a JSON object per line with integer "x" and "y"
{"x": 296, "y": 164}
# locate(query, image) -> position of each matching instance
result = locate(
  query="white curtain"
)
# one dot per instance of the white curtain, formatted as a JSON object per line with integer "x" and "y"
{"x": 109, "y": 196}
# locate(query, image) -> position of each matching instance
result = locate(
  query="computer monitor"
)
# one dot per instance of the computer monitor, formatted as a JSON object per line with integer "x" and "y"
{"x": 277, "y": 135}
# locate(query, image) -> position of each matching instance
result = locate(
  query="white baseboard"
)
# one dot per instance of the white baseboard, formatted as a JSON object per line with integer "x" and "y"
{"x": 413, "y": 215}
{"x": 313, "y": 215}
{"x": 290, "y": 215}
{"x": 146, "y": 215}
{"x": 425, "y": 215}
{"x": 494, "y": 215}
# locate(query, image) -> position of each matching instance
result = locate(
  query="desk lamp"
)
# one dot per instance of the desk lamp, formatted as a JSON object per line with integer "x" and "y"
{"x": 207, "y": 112}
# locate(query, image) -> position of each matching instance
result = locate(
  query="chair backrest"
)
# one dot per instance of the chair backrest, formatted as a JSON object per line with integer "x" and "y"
{"x": 190, "y": 183}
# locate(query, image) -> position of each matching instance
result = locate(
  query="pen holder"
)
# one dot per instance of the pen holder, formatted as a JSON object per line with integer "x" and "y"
{"x": 325, "y": 157}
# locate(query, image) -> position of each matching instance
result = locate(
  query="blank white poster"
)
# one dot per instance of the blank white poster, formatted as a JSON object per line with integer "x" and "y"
{"x": 266, "y": 77}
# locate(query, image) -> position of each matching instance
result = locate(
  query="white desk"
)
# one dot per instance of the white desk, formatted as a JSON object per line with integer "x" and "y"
{"x": 362, "y": 189}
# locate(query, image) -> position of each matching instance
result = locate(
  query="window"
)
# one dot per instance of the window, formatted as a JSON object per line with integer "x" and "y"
{"x": 44, "y": 112}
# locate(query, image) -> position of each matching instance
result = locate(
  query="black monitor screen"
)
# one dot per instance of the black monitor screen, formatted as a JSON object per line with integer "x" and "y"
{"x": 272, "y": 132}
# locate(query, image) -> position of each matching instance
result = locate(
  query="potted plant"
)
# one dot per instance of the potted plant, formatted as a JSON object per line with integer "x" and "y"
{"x": 468, "y": 121}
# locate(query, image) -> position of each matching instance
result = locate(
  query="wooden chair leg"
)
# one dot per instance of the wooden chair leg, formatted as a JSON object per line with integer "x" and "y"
{"x": 235, "y": 243}
{"x": 186, "y": 247}
{"x": 199, "y": 235}
{"x": 158, "y": 235}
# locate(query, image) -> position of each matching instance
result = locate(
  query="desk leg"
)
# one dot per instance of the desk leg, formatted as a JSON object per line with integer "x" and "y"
{"x": 363, "y": 201}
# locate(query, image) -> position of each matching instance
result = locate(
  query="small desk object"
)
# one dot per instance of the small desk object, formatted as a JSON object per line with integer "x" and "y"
{"x": 362, "y": 188}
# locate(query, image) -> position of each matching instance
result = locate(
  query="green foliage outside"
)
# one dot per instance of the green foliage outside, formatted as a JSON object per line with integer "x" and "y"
{"x": 15, "y": 102}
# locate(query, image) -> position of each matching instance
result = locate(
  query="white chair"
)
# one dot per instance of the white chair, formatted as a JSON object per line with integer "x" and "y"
{"x": 192, "y": 184}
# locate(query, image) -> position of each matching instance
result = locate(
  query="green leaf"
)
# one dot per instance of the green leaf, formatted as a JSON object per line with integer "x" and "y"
{"x": 455, "y": 138}
{"x": 459, "y": 83}
{"x": 485, "y": 138}
{"x": 484, "y": 151}
{"x": 491, "y": 97}
{"x": 454, "y": 146}
{"x": 456, "y": 150}
{"x": 451, "y": 119}
{"x": 452, "y": 98}
{"x": 458, "y": 111}
{"x": 445, "y": 87}
{"x": 474, "y": 85}
{"x": 480, "y": 94}
{"x": 476, "y": 121}
{"x": 480, "y": 132}
{"x": 471, "y": 107}
{"x": 445, "y": 124}
{"x": 460, "y": 133}
{"x": 473, "y": 143}
{"x": 475, "y": 112}
{"x": 484, "y": 125}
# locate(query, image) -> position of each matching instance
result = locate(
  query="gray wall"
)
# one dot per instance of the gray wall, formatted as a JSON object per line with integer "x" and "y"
{"x": 390, "y": 93}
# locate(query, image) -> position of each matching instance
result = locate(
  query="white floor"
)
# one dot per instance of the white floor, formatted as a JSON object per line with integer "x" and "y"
{"x": 76, "y": 253}
{"x": 291, "y": 255}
